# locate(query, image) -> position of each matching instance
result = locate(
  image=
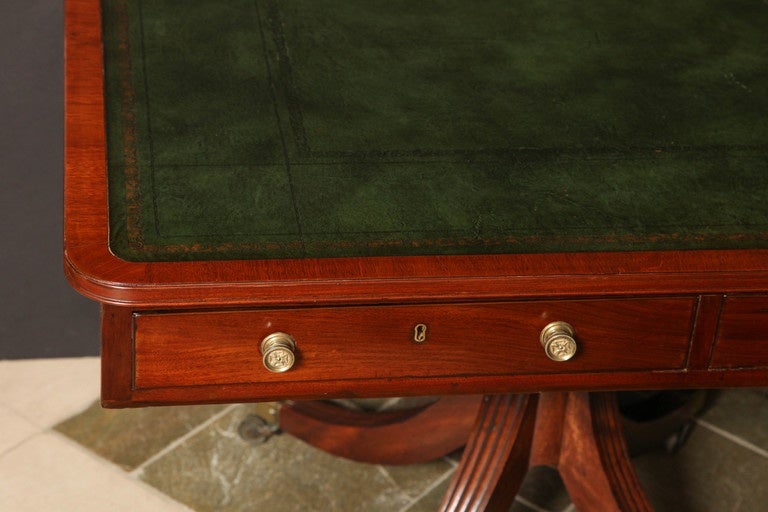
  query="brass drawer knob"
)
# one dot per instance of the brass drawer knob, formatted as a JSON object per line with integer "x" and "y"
{"x": 558, "y": 341}
{"x": 277, "y": 350}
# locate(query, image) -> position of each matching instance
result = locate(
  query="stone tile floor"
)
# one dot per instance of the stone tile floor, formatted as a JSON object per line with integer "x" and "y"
{"x": 60, "y": 452}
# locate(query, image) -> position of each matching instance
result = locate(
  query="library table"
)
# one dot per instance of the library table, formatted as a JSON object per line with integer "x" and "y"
{"x": 531, "y": 201}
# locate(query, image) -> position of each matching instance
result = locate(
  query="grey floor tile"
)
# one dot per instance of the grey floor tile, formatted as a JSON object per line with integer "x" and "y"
{"x": 413, "y": 479}
{"x": 215, "y": 470}
{"x": 742, "y": 412}
{"x": 544, "y": 489}
{"x": 519, "y": 506}
{"x": 708, "y": 474}
{"x": 431, "y": 500}
{"x": 129, "y": 437}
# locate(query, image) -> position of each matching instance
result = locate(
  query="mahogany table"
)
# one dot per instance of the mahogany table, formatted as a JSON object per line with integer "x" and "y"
{"x": 324, "y": 199}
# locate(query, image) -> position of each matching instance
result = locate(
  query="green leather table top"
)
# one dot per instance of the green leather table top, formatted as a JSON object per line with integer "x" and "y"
{"x": 323, "y": 128}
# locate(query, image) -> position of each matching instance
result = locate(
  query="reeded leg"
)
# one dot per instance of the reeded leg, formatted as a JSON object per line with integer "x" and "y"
{"x": 594, "y": 461}
{"x": 495, "y": 459}
{"x": 579, "y": 434}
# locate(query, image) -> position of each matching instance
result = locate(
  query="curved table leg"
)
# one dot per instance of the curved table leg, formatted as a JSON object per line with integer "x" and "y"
{"x": 579, "y": 434}
{"x": 395, "y": 437}
{"x": 594, "y": 461}
{"x": 495, "y": 459}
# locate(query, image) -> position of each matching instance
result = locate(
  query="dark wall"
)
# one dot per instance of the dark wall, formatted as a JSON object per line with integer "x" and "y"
{"x": 40, "y": 315}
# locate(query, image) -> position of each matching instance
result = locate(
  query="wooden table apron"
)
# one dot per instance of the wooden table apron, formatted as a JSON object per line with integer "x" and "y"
{"x": 189, "y": 331}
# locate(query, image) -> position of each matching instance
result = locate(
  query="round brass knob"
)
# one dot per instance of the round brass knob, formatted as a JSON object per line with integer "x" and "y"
{"x": 558, "y": 341}
{"x": 277, "y": 351}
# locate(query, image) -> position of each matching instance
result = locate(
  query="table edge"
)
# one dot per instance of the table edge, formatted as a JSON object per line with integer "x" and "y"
{"x": 96, "y": 272}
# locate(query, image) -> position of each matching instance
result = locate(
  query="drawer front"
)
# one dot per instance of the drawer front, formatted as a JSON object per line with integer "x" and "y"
{"x": 377, "y": 342}
{"x": 742, "y": 340}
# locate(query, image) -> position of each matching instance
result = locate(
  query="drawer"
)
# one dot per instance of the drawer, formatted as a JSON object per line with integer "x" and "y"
{"x": 742, "y": 338}
{"x": 175, "y": 349}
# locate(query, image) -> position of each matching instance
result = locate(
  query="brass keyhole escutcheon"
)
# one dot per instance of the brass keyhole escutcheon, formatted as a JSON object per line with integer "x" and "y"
{"x": 277, "y": 350}
{"x": 420, "y": 333}
{"x": 558, "y": 341}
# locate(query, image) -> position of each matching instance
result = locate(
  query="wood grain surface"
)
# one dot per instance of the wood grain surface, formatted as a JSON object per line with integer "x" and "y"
{"x": 669, "y": 344}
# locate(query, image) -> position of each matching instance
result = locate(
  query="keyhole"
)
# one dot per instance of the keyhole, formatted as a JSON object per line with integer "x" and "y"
{"x": 420, "y": 333}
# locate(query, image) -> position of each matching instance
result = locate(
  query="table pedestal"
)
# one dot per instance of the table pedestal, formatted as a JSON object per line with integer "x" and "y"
{"x": 577, "y": 433}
